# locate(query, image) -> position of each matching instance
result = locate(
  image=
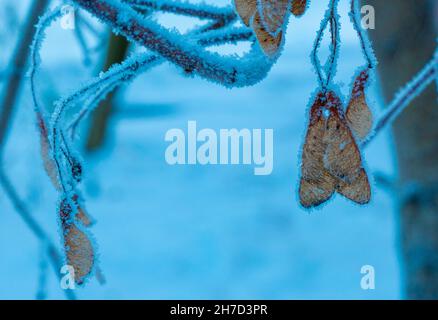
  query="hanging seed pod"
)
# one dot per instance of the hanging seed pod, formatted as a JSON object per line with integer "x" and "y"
{"x": 331, "y": 159}
{"x": 246, "y": 10}
{"x": 78, "y": 248}
{"x": 48, "y": 162}
{"x": 273, "y": 14}
{"x": 316, "y": 185}
{"x": 270, "y": 44}
{"x": 268, "y": 19}
{"x": 342, "y": 157}
{"x": 298, "y": 7}
{"x": 358, "y": 113}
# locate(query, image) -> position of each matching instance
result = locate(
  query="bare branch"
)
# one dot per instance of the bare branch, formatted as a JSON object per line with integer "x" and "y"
{"x": 405, "y": 96}
{"x": 178, "y": 49}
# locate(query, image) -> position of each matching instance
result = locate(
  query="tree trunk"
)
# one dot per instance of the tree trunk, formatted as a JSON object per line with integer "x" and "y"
{"x": 117, "y": 50}
{"x": 405, "y": 40}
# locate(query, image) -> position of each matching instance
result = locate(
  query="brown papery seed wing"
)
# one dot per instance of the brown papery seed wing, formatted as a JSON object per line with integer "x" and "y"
{"x": 270, "y": 45}
{"x": 316, "y": 192}
{"x": 316, "y": 185}
{"x": 274, "y": 14}
{"x": 298, "y": 7}
{"x": 342, "y": 157}
{"x": 48, "y": 163}
{"x": 80, "y": 253}
{"x": 358, "y": 114}
{"x": 358, "y": 191}
{"x": 246, "y": 9}
{"x": 82, "y": 215}
{"x": 77, "y": 245}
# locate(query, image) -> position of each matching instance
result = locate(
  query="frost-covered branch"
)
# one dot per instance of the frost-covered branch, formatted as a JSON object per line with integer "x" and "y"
{"x": 60, "y": 159}
{"x": 130, "y": 68}
{"x": 220, "y": 16}
{"x": 331, "y": 19}
{"x": 203, "y": 11}
{"x": 365, "y": 42}
{"x": 96, "y": 90}
{"x": 180, "y": 49}
{"x": 405, "y": 96}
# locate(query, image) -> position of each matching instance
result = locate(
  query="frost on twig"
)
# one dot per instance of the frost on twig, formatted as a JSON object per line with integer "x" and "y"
{"x": 179, "y": 49}
{"x": 74, "y": 221}
{"x": 404, "y": 97}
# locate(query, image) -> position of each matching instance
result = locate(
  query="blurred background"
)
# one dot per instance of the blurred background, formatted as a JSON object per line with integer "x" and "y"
{"x": 219, "y": 232}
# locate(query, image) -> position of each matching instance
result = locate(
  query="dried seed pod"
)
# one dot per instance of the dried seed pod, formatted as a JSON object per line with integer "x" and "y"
{"x": 358, "y": 191}
{"x": 359, "y": 116}
{"x": 77, "y": 244}
{"x": 316, "y": 185}
{"x": 342, "y": 157}
{"x": 331, "y": 159}
{"x": 268, "y": 43}
{"x": 246, "y": 10}
{"x": 268, "y": 19}
{"x": 48, "y": 162}
{"x": 82, "y": 215}
{"x": 298, "y": 7}
{"x": 274, "y": 14}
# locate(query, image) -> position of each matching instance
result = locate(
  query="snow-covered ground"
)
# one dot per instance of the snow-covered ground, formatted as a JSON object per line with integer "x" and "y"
{"x": 184, "y": 232}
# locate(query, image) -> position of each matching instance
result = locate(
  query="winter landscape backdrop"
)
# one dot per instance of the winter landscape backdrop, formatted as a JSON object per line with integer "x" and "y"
{"x": 199, "y": 232}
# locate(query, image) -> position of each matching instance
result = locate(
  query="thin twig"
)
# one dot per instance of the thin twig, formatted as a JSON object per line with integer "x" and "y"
{"x": 405, "y": 96}
{"x": 228, "y": 71}
{"x": 130, "y": 70}
{"x": 186, "y": 9}
{"x": 334, "y": 30}
{"x": 332, "y": 18}
{"x": 364, "y": 41}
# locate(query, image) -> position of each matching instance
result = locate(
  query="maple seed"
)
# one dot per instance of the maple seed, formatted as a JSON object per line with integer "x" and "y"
{"x": 77, "y": 245}
{"x": 48, "y": 163}
{"x": 299, "y": 7}
{"x": 268, "y": 19}
{"x": 273, "y": 15}
{"x": 331, "y": 159}
{"x": 269, "y": 44}
{"x": 359, "y": 116}
{"x": 316, "y": 185}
